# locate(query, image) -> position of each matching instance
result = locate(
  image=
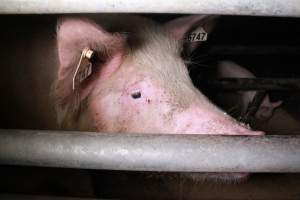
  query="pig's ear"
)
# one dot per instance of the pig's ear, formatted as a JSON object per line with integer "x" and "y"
{"x": 276, "y": 104}
{"x": 73, "y": 36}
{"x": 181, "y": 27}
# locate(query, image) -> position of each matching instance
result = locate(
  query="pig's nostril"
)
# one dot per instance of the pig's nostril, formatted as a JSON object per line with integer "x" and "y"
{"x": 136, "y": 95}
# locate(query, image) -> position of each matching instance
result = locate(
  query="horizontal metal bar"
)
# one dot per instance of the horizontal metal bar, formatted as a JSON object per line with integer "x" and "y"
{"x": 232, "y": 49}
{"x": 190, "y": 153}
{"x": 228, "y": 7}
{"x": 278, "y": 84}
{"x": 39, "y": 197}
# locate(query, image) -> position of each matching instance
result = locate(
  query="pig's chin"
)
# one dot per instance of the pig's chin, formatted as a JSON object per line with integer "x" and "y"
{"x": 217, "y": 177}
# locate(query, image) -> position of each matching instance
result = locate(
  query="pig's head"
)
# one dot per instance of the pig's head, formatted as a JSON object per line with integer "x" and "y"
{"x": 266, "y": 109}
{"x": 139, "y": 82}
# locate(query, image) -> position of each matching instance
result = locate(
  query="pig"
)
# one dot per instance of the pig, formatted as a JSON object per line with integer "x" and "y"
{"x": 141, "y": 79}
{"x": 229, "y": 69}
{"x": 138, "y": 84}
{"x": 281, "y": 123}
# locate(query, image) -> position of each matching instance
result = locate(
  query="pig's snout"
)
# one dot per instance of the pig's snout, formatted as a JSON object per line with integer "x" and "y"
{"x": 213, "y": 121}
{"x": 196, "y": 120}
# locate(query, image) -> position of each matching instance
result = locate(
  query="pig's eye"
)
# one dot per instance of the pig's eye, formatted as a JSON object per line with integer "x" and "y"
{"x": 136, "y": 95}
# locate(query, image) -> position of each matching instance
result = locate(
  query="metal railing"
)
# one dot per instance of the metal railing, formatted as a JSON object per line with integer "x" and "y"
{"x": 227, "y": 7}
{"x": 261, "y": 84}
{"x": 185, "y": 153}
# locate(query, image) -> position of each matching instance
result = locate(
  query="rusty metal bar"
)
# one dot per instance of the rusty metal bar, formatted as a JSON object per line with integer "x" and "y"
{"x": 39, "y": 197}
{"x": 228, "y": 7}
{"x": 186, "y": 153}
{"x": 278, "y": 84}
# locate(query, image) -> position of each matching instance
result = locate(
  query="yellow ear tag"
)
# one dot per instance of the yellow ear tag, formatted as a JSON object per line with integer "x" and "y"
{"x": 84, "y": 67}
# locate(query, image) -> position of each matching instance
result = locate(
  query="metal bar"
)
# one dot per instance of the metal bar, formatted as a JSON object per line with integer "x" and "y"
{"x": 232, "y": 49}
{"x": 253, "y": 106}
{"x": 278, "y": 84}
{"x": 39, "y": 197}
{"x": 228, "y": 7}
{"x": 186, "y": 153}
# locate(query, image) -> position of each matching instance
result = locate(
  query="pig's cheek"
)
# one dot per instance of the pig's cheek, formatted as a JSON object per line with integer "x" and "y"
{"x": 131, "y": 107}
{"x": 105, "y": 110}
